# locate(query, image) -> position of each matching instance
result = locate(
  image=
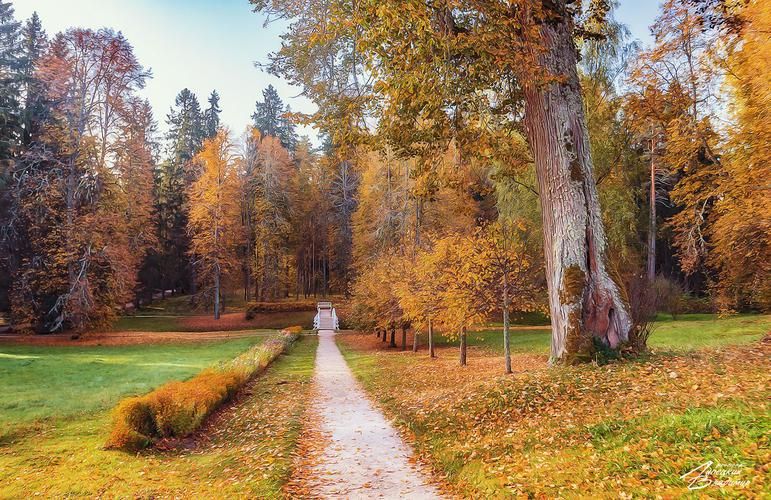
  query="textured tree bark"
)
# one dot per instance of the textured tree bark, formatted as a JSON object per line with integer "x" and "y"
{"x": 431, "y": 352}
{"x": 584, "y": 301}
{"x": 463, "y": 346}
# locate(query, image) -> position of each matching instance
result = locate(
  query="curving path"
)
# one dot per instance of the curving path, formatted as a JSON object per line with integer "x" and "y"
{"x": 364, "y": 456}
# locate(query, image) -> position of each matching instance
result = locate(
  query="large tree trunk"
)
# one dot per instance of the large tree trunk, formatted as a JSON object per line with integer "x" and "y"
{"x": 652, "y": 223}
{"x": 584, "y": 300}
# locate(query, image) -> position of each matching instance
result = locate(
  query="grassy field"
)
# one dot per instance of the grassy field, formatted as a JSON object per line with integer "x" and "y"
{"x": 617, "y": 430}
{"x": 44, "y": 381}
{"x": 691, "y": 331}
{"x": 246, "y": 451}
{"x": 176, "y": 314}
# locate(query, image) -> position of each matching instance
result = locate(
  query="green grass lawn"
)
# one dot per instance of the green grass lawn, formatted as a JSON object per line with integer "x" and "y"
{"x": 247, "y": 454}
{"x": 689, "y": 331}
{"x": 43, "y": 381}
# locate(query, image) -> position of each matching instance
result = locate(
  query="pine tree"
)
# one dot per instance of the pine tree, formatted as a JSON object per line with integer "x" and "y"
{"x": 174, "y": 177}
{"x": 211, "y": 117}
{"x": 10, "y": 131}
{"x": 33, "y": 44}
{"x": 269, "y": 118}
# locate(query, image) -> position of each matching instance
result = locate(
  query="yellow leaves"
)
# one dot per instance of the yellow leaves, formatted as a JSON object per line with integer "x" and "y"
{"x": 214, "y": 209}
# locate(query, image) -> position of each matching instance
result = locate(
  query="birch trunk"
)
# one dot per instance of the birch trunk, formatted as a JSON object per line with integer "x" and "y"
{"x": 584, "y": 300}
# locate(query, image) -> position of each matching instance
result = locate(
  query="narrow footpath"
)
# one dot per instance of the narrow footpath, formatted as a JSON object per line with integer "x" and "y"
{"x": 364, "y": 456}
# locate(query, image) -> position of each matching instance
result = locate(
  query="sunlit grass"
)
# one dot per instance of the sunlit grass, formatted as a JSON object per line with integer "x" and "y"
{"x": 687, "y": 332}
{"x": 43, "y": 381}
{"x": 248, "y": 454}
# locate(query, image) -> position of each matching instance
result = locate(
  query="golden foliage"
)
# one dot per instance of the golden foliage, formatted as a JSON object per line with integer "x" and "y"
{"x": 177, "y": 409}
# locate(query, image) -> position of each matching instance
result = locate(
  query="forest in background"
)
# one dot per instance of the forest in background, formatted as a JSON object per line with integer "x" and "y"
{"x": 425, "y": 202}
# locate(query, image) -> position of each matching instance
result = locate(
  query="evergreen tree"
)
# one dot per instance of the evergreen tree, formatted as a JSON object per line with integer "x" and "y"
{"x": 9, "y": 82}
{"x": 33, "y": 43}
{"x": 186, "y": 130}
{"x": 173, "y": 178}
{"x": 211, "y": 117}
{"x": 269, "y": 119}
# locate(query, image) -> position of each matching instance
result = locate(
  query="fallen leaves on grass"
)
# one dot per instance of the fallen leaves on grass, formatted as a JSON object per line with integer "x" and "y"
{"x": 625, "y": 427}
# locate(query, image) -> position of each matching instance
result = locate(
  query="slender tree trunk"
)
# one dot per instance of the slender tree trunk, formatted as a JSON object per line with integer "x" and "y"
{"x": 506, "y": 338}
{"x": 463, "y": 347}
{"x": 431, "y": 352}
{"x": 377, "y": 332}
{"x": 584, "y": 300}
{"x": 414, "y": 341}
{"x": 393, "y": 336}
{"x": 385, "y": 335}
{"x": 404, "y": 338}
{"x": 217, "y": 294}
{"x": 652, "y": 217}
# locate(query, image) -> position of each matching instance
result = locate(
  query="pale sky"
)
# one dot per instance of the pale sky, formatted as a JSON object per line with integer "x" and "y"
{"x": 213, "y": 44}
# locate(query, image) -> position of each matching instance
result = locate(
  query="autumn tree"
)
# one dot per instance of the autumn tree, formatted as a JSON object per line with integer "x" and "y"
{"x": 70, "y": 226}
{"x": 740, "y": 224}
{"x": 173, "y": 178}
{"x": 508, "y": 272}
{"x": 459, "y": 307}
{"x": 428, "y": 58}
{"x": 213, "y": 222}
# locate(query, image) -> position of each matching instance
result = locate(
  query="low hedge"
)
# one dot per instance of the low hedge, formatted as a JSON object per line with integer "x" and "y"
{"x": 177, "y": 409}
{"x": 254, "y": 308}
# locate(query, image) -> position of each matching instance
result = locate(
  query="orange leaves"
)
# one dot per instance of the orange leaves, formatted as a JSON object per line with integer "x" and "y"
{"x": 177, "y": 409}
{"x": 214, "y": 211}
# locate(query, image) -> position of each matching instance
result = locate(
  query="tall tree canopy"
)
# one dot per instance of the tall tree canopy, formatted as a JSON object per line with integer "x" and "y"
{"x": 270, "y": 117}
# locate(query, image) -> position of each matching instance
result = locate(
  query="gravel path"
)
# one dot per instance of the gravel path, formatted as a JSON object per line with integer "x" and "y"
{"x": 364, "y": 456}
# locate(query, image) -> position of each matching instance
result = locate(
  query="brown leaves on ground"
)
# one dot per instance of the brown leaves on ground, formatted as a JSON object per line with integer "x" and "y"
{"x": 631, "y": 427}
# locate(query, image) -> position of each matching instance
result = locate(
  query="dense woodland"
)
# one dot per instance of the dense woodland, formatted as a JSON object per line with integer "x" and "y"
{"x": 478, "y": 159}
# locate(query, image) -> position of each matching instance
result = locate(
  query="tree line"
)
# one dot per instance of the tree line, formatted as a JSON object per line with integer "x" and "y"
{"x": 99, "y": 211}
{"x": 465, "y": 116}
